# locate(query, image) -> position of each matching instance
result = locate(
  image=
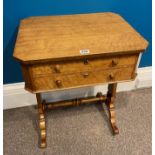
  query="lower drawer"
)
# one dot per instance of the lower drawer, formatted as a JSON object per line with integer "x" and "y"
{"x": 56, "y": 81}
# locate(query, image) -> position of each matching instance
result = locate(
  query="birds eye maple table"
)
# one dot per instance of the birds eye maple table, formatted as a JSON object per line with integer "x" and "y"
{"x": 71, "y": 51}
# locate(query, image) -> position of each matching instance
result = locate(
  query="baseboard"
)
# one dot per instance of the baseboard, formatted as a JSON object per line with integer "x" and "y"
{"x": 15, "y": 95}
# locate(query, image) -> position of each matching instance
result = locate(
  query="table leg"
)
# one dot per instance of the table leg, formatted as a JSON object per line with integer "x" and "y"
{"x": 111, "y": 95}
{"x": 42, "y": 126}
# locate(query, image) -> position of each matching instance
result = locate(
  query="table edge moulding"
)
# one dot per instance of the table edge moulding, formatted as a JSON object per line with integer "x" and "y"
{"x": 72, "y": 51}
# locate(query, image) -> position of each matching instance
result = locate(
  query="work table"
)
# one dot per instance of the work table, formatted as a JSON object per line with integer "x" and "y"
{"x": 72, "y": 51}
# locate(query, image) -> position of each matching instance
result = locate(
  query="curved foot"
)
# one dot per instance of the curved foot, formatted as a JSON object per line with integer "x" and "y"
{"x": 42, "y": 131}
{"x": 112, "y": 117}
{"x": 115, "y": 129}
{"x": 42, "y": 123}
{"x": 111, "y": 108}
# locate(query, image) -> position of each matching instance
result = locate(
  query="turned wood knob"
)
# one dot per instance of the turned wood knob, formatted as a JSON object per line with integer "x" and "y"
{"x": 85, "y": 74}
{"x": 111, "y": 76}
{"x": 57, "y": 68}
{"x": 86, "y": 62}
{"x": 114, "y": 62}
{"x": 59, "y": 83}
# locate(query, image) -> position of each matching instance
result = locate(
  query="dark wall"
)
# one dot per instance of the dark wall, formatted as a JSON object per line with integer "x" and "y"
{"x": 137, "y": 12}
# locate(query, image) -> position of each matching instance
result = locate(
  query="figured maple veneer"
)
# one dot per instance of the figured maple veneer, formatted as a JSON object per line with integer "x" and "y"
{"x": 85, "y": 64}
{"x": 62, "y": 37}
{"x": 45, "y": 77}
{"x": 47, "y": 83}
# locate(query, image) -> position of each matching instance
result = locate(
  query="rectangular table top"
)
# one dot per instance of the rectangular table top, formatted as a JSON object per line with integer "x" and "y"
{"x": 55, "y": 37}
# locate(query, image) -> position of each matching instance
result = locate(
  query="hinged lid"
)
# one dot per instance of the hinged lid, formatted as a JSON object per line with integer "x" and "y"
{"x": 55, "y": 37}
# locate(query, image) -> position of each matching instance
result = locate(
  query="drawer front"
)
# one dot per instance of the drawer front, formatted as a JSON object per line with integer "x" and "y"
{"x": 91, "y": 64}
{"x": 56, "y": 81}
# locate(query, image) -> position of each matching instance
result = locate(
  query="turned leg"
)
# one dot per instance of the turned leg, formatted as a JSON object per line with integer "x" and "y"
{"x": 111, "y": 95}
{"x": 41, "y": 121}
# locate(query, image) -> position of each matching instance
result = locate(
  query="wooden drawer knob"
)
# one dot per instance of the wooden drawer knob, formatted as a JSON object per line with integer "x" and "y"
{"x": 85, "y": 75}
{"x": 86, "y": 62}
{"x": 111, "y": 76}
{"x": 114, "y": 62}
{"x": 59, "y": 83}
{"x": 57, "y": 68}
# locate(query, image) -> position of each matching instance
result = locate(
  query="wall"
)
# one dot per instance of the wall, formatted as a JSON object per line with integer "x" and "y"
{"x": 138, "y": 13}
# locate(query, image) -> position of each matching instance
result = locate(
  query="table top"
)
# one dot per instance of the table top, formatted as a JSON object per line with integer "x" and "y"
{"x": 68, "y": 36}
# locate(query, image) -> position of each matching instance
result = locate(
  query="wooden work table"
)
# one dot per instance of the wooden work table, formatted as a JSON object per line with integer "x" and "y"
{"x": 71, "y": 51}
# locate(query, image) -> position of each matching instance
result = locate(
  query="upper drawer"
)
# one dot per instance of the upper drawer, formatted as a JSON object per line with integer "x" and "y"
{"x": 75, "y": 66}
{"x": 57, "y": 81}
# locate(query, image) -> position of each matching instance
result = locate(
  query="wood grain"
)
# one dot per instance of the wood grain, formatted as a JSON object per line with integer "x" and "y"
{"x": 47, "y": 83}
{"x": 61, "y": 37}
{"x": 73, "y": 66}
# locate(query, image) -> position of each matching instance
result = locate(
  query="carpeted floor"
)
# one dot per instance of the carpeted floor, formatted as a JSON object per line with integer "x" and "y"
{"x": 83, "y": 130}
